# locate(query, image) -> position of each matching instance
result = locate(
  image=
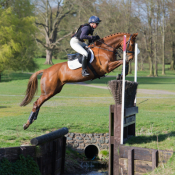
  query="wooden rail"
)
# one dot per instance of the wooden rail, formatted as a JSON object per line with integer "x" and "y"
{"x": 48, "y": 151}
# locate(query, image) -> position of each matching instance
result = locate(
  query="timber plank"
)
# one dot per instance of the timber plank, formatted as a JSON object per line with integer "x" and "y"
{"x": 130, "y": 111}
{"x": 142, "y": 166}
{"x": 13, "y": 153}
{"x": 139, "y": 153}
{"x": 58, "y": 164}
{"x": 59, "y": 147}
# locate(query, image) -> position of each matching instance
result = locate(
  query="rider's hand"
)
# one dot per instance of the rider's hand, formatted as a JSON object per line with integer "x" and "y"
{"x": 94, "y": 38}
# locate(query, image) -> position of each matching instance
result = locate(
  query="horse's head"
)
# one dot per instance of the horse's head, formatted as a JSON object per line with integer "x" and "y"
{"x": 130, "y": 46}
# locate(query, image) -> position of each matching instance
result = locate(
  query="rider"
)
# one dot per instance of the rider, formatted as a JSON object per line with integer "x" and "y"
{"x": 77, "y": 41}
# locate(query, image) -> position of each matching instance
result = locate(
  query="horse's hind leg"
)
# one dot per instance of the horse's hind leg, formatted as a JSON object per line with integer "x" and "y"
{"x": 35, "y": 110}
{"x": 36, "y": 107}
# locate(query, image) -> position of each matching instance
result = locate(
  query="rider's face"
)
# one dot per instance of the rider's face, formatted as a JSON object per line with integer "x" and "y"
{"x": 94, "y": 25}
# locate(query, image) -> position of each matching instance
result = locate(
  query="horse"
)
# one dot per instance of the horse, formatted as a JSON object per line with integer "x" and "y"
{"x": 55, "y": 77}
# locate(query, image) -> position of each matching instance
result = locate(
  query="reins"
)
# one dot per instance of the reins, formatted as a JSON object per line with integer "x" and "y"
{"x": 114, "y": 49}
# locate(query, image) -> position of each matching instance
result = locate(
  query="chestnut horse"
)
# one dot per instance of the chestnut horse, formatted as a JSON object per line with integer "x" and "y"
{"x": 55, "y": 77}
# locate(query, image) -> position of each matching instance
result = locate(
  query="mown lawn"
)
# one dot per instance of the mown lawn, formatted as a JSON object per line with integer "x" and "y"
{"x": 86, "y": 110}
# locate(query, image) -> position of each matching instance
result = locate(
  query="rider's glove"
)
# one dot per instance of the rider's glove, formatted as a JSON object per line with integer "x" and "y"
{"x": 94, "y": 38}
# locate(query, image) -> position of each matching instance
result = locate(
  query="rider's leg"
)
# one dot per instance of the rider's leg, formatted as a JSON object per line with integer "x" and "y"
{"x": 78, "y": 47}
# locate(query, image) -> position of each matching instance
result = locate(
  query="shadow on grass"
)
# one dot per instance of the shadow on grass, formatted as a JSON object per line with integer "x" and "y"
{"x": 148, "y": 139}
{"x": 4, "y": 107}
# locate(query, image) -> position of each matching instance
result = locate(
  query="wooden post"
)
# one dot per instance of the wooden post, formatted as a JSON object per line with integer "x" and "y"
{"x": 154, "y": 159}
{"x": 131, "y": 162}
{"x": 117, "y": 137}
{"x": 121, "y": 127}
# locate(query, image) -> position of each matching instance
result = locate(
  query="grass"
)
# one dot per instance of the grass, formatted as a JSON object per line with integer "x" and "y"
{"x": 86, "y": 110}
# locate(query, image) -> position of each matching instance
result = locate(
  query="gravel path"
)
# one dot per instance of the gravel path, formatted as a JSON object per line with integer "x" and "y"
{"x": 142, "y": 91}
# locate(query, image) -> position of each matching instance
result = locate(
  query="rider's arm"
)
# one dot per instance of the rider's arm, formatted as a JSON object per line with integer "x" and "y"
{"x": 85, "y": 33}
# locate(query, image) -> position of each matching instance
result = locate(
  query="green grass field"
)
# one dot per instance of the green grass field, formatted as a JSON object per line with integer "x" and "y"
{"x": 86, "y": 110}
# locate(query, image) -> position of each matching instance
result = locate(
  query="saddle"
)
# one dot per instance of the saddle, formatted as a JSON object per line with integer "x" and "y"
{"x": 75, "y": 61}
{"x": 72, "y": 57}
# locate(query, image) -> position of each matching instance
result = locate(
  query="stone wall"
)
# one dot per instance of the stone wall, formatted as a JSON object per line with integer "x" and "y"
{"x": 79, "y": 141}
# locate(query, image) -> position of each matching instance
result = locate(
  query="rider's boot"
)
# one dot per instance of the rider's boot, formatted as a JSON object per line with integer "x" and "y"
{"x": 84, "y": 66}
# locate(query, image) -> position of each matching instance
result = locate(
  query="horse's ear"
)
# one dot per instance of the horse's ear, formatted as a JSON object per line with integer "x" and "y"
{"x": 134, "y": 36}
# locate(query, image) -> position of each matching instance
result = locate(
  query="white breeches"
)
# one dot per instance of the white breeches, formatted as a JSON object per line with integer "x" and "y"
{"x": 78, "y": 46}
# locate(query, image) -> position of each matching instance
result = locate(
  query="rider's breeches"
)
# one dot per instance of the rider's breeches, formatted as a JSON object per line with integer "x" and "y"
{"x": 78, "y": 46}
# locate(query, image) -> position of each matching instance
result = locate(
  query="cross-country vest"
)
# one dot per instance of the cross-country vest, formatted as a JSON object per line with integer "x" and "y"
{"x": 78, "y": 32}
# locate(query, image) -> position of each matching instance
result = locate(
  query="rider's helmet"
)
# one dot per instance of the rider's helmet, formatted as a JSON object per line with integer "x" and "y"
{"x": 94, "y": 19}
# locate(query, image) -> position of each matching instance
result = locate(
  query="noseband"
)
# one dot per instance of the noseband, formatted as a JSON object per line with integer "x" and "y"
{"x": 114, "y": 49}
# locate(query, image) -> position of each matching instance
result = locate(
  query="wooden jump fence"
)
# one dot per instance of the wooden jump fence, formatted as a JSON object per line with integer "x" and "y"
{"x": 126, "y": 160}
{"x": 48, "y": 151}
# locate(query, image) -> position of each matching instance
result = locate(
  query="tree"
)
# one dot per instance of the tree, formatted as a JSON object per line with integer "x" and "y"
{"x": 17, "y": 42}
{"x": 48, "y": 22}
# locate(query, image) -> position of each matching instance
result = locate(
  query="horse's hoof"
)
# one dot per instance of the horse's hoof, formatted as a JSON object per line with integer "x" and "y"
{"x": 25, "y": 126}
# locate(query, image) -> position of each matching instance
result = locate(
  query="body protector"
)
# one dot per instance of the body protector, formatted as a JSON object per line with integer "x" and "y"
{"x": 78, "y": 33}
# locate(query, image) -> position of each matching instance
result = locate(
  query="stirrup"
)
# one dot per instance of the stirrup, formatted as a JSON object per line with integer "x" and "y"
{"x": 85, "y": 73}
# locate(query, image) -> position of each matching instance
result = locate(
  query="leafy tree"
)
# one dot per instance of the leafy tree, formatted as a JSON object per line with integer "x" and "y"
{"x": 17, "y": 44}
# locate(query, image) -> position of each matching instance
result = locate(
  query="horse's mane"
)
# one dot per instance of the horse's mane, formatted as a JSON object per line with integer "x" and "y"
{"x": 115, "y": 35}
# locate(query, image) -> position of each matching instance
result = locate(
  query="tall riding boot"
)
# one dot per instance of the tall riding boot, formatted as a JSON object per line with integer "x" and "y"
{"x": 84, "y": 66}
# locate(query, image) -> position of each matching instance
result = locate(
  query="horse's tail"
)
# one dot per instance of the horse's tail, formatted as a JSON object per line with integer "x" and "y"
{"x": 31, "y": 88}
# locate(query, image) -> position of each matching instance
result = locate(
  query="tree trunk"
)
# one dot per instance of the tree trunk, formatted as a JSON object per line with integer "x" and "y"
{"x": 141, "y": 64}
{"x": 163, "y": 54}
{"x": 155, "y": 61}
{"x": 151, "y": 67}
{"x": 163, "y": 41}
{"x": 172, "y": 65}
{"x": 48, "y": 57}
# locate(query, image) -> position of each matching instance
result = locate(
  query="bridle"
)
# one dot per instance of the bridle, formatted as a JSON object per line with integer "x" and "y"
{"x": 116, "y": 51}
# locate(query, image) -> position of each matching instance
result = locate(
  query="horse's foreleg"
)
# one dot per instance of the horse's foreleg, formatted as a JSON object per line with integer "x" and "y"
{"x": 113, "y": 65}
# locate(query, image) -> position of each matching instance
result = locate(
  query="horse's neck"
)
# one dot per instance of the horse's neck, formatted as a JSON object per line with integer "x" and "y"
{"x": 114, "y": 41}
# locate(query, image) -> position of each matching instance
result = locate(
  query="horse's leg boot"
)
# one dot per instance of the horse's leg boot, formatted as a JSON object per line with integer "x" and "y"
{"x": 30, "y": 120}
{"x": 119, "y": 77}
{"x": 36, "y": 114}
{"x": 126, "y": 70}
{"x": 84, "y": 67}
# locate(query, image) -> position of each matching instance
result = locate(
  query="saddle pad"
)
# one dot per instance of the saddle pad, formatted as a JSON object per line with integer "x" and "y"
{"x": 75, "y": 64}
